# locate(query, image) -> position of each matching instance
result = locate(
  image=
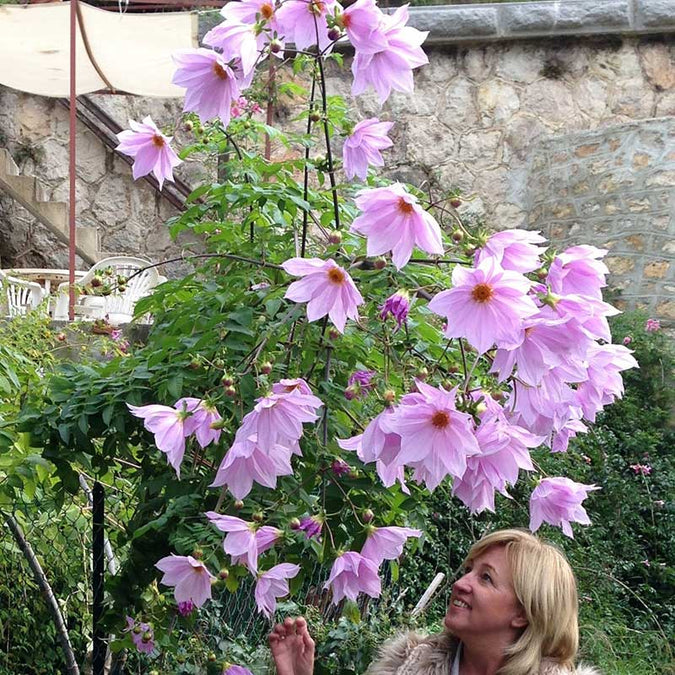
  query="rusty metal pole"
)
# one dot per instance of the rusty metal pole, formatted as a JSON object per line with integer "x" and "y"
{"x": 71, "y": 163}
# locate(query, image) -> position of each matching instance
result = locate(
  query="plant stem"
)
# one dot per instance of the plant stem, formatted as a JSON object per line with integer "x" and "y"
{"x": 305, "y": 184}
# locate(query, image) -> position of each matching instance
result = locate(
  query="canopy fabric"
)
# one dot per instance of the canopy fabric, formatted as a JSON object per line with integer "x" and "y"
{"x": 132, "y": 50}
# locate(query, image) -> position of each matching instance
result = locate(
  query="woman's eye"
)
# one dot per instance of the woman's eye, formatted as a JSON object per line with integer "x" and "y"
{"x": 487, "y": 577}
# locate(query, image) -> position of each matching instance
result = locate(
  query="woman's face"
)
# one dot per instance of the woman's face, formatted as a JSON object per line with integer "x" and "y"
{"x": 483, "y": 602}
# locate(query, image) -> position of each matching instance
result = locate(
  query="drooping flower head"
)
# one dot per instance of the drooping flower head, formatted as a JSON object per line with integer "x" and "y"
{"x": 558, "y": 501}
{"x": 303, "y": 21}
{"x": 201, "y": 421}
{"x": 391, "y": 67}
{"x": 352, "y": 574}
{"x": 252, "y": 12}
{"x": 168, "y": 426}
{"x": 398, "y": 306}
{"x": 435, "y": 436}
{"x": 190, "y": 577}
{"x": 236, "y": 39}
{"x": 326, "y": 288}
{"x": 273, "y": 584}
{"x": 579, "y": 271}
{"x": 514, "y": 250}
{"x": 363, "y": 145}
{"x": 150, "y": 149}
{"x": 386, "y": 543}
{"x": 360, "y": 382}
{"x": 210, "y": 83}
{"x": 393, "y": 220}
{"x": 240, "y": 541}
{"x": 486, "y": 305}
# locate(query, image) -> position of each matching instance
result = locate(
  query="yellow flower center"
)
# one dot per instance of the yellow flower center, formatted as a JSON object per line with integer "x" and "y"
{"x": 267, "y": 11}
{"x": 440, "y": 419}
{"x": 316, "y": 7}
{"x": 482, "y": 292}
{"x": 336, "y": 275}
{"x": 219, "y": 71}
{"x": 158, "y": 141}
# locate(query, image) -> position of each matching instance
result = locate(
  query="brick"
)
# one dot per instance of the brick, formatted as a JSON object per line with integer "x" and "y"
{"x": 656, "y": 269}
{"x": 586, "y": 150}
{"x": 620, "y": 264}
{"x": 655, "y": 13}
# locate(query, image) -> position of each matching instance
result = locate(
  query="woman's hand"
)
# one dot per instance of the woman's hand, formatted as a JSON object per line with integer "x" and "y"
{"x": 292, "y": 647}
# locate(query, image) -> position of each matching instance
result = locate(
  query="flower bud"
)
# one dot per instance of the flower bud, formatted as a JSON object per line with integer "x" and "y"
{"x": 227, "y": 380}
{"x": 195, "y": 364}
{"x": 198, "y": 554}
{"x": 457, "y": 236}
{"x": 266, "y": 368}
{"x": 315, "y": 116}
{"x": 389, "y": 396}
{"x": 238, "y": 505}
{"x": 188, "y": 125}
{"x": 352, "y": 392}
{"x": 137, "y": 629}
{"x": 275, "y": 46}
{"x": 367, "y": 516}
{"x": 257, "y": 517}
{"x": 455, "y": 202}
{"x": 335, "y": 237}
{"x": 219, "y": 363}
{"x": 422, "y": 374}
{"x": 230, "y": 391}
{"x": 542, "y": 273}
{"x": 61, "y": 337}
{"x": 497, "y": 395}
{"x": 212, "y": 657}
{"x": 334, "y": 34}
{"x": 224, "y": 573}
{"x": 380, "y": 263}
{"x": 147, "y": 636}
{"x": 294, "y": 523}
{"x": 333, "y": 334}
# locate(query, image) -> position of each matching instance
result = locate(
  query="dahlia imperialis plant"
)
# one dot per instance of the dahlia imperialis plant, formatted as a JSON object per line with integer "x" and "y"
{"x": 477, "y": 349}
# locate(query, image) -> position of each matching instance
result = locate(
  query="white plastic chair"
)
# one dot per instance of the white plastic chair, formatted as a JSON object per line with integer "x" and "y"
{"x": 18, "y": 295}
{"x": 118, "y": 306}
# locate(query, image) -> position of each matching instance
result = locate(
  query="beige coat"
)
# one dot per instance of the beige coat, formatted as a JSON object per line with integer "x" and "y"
{"x": 413, "y": 654}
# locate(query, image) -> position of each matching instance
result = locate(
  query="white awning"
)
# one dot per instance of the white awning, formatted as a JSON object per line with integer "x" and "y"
{"x": 132, "y": 50}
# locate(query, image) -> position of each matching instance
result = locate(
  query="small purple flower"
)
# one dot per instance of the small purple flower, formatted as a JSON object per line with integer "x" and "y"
{"x": 359, "y": 384}
{"x": 398, "y": 305}
{"x": 311, "y": 526}
{"x": 236, "y": 670}
{"x": 142, "y": 635}
{"x": 186, "y": 608}
{"x": 652, "y": 325}
{"x": 340, "y": 468}
{"x": 641, "y": 469}
{"x": 627, "y": 340}
{"x": 116, "y": 335}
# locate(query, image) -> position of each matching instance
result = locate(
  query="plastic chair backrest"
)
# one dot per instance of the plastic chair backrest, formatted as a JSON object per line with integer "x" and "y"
{"x": 18, "y": 295}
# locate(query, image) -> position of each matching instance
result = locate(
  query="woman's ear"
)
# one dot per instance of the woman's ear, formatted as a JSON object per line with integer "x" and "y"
{"x": 519, "y": 620}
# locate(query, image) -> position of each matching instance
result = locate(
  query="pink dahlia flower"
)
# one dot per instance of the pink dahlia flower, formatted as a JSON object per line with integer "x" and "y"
{"x": 150, "y": 149}
{"x": 391, "y": 68}
{"x": 211, "y": 85}
{"x": 252, "y": 11}
{"x": 386, "y": 543}
{"x": 191, "y": 578}
{"x": 245, "y": 463}
{"x": 237, "y": 670}
{"x": 364, "y": 23}
{"x": 240, "y": 541}
{"x": 362, "y": 147}
{"x": 380, "y": 446}
{"x": 604, "y": 383}
{"x": 265, "y": 538}
{"x": 301, "y": 21}
{"x": 514, "y": 250}
{"x": 311, "y": 526}
{"x": 236, "y": 40}
{"x": 200, "y": 423}
{"x": 504, "y": 450}
{"x": 652, "y": 325}
{"x": 486, "y": 305}
{"x": 326, "y": 288}
{"x": 558, "y": 501}
{"x": 352, "y": 574}
{"x": 273, "y": 584}
{"x": 286, "y": 386}
{"x": 579, "y": 271}
{"x": 393, "y": 220}
{"x": 435, "y": 436}
{"x": 168, "y": 426}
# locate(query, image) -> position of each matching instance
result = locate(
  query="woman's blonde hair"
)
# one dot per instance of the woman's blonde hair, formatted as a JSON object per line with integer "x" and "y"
{"x": 545, "y": 586}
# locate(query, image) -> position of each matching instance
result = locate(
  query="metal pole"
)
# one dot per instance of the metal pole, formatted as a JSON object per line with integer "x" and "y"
{"x": 98, "y": 550}
{"x": 71, "y": 167}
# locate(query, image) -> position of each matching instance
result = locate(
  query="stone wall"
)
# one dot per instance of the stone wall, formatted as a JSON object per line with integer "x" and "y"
{"x": 486, "y": 110}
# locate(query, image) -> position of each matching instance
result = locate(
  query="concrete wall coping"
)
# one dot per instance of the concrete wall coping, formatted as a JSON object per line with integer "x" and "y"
{"x": 492, "y": 22}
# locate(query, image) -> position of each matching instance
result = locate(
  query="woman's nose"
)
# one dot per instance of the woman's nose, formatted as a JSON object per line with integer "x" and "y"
{"x": 463, "y": 584}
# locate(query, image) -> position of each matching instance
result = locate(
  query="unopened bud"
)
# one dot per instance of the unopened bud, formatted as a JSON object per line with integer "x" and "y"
{"x": 367, "y": 516}
{"x": 238, "y": 505}
{"x": 333, "y": 334}
{"x": 189, "y": 125}
{"x": 219, "y": 363}
{"x": 212, "y": 657}
{"x": 352, "y": 392}
{"x": 275, "y": 46}
{"x": 542, "y": 273}
{"x": 224, "y": 573}
{"x": 61, "y": 337}
{"x": 257, "y": 517}
{"x": 422, "y": 374}
{"x": 227, "y": 380}
{"x": 230, "y": 391}
{"x": 380, "y": 263}
{"x": 315, "y": 116}
{"x": 389, "y": 396}
{"x": 455, "y": 202}
{"x": 294, "y": 523}
{"x": 266, "y": 368}
{"x": 334, "y": 34}
{"x": 147, "y": 636}
{"x": 195, "y": 364}
{"x": 457, "y": 236}
{"x": 497, "y": 395}
{"x": 197, "y": 554}
{"x": 335, "y": 237}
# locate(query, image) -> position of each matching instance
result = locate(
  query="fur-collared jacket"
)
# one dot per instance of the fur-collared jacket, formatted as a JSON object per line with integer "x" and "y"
{"x": 413, "y": 654}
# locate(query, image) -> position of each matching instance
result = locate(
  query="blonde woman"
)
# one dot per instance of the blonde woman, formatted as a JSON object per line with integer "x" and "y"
{"x": 513, "y": 612}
